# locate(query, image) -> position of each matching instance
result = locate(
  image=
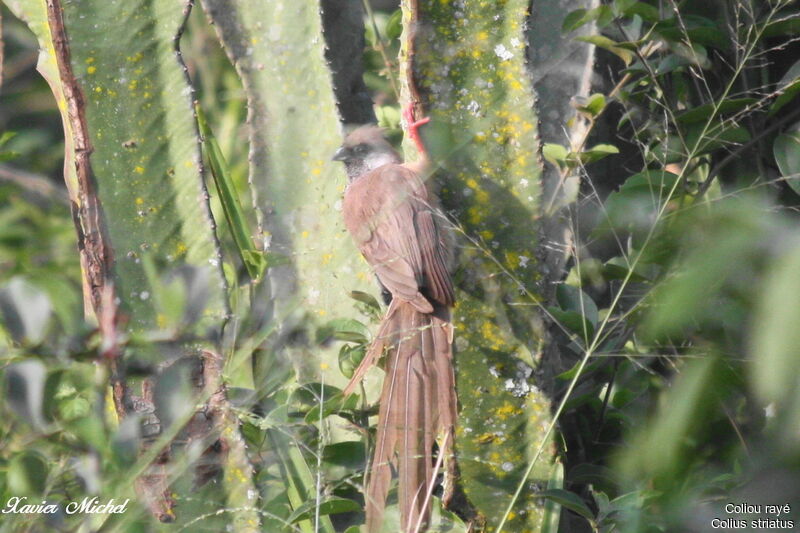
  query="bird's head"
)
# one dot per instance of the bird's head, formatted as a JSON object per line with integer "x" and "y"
{"x": 365, "y": 149}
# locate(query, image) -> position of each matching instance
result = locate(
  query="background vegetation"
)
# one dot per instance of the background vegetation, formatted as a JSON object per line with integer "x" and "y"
{"x": 659, "y": 348}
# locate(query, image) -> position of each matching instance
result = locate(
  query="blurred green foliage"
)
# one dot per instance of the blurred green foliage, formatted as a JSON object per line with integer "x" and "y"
{"x": 683, "y": 396}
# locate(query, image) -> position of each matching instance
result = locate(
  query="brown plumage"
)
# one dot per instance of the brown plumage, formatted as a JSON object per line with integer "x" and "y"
{"x": 396, "y": 224}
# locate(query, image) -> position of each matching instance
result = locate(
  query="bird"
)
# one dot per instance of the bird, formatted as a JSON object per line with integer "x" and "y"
{"x": 396, "y": 222}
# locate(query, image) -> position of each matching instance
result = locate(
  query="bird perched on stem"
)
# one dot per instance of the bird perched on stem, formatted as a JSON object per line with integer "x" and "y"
{"x": 395, "y": 221}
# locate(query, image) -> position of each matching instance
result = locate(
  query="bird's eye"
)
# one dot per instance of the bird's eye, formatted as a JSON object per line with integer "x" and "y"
{"x": 360, "y": 149}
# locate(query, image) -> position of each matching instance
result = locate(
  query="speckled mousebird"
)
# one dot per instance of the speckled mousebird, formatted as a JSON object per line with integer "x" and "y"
{"x": 396, "y": 224}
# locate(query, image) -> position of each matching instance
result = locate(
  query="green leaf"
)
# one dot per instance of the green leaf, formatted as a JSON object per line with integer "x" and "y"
{"x": 789, "y": 87}
{"x": 694, "y": 29}
{"x": 787, "y": 154}
{"x": 574, "y": 20}
{"x": 695, "y": 54}
{"x": 612, "y": 46}
{"x": 595, "y": 104}
{"x": 333, "y": 506}
{"x": 308, "y": 396}
{"x": 644, "y": 10}
{"x": 343, "y": 329}
{"x": 618, "y": 267}
{"x": 703, "y": 113}
{"x": 366, "y": 298}
{"x": 570, "y": 374}
{"x": 670, "y": 63}
{"x": 598, "y": 152}
{"x": 232, "y": 207}
{"x": 595, "y": 475}
{"x": 574, "y": 322}
{"x": 350, "y": 454}
{"x": 555, "y": 154}
{"x": 782, "y": 26}
{"x": 552, "y": 510}
{"x": 27, "y": 474}
{"x": 570, "y": 500}
{"x": 639, "y": 198}
{"x": 350, "y": 357}
{"x": 621, "y": 7}
{"x": 7, "y": 136}
{"x": 394, "y": 26}
{"x": 574, "y": 299}
{"x": 714, "y": 138}
{"x": 331, "y": 406}
{"x": 602, "y": 15}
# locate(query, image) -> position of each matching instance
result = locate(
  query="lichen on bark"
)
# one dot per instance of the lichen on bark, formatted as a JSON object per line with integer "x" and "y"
{"x": 465, "y": 66}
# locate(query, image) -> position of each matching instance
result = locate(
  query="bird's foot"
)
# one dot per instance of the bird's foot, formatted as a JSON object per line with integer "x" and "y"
{"x": 413, "y": 125}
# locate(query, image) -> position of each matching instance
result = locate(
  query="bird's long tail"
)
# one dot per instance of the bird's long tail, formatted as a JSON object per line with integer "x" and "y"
{"x": 418, "y": 403}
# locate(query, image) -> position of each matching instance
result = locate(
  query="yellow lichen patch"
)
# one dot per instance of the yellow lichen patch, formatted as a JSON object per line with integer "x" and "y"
{"x": 139, "y": 201}
{"x": 326, "y": 258}
{"x": 91, "y": 70}
{"x": 474, "y": 215}
{"x": 135, "y": 58}
{"x": 138, "y": 169}
{"x": 304, "y": 235}
{"x": 512, "y": 259}
{"x": 89, "y": 60}
{"x": 493, "y": 335}
{"x": 507, "y": 410}
{"x": 486, "y": 438}
{"x": 180, "y": 249}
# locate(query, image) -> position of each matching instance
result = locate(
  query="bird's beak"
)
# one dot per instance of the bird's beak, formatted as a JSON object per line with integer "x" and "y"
{"x": 342, "y": 154}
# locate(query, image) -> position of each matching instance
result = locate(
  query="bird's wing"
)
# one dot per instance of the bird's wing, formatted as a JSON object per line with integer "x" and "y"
{"x": 428, "y": 233}
{"x": 395, "y": 228}
{"x": 436, "y": 277}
